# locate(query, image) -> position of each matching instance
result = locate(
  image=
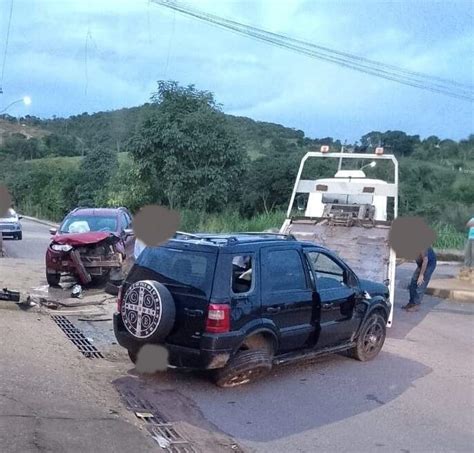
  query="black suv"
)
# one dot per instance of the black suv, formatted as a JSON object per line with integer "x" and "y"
{"x": 239, "y": 303}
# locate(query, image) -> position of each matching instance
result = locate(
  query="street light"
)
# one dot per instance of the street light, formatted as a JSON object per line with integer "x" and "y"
{"x": 26, "y": 100}
{"x": 371, "y": 165}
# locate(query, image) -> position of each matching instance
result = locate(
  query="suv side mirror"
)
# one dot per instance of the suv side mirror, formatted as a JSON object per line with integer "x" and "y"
{"x": 20, "y": 217}
{"x": 53, "y": 231}
{"x": 128, "y": 232}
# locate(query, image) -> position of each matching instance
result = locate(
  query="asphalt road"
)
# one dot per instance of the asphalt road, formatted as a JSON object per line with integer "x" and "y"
{"x": 34, "y": 243}
{"x": 416, "y": 396}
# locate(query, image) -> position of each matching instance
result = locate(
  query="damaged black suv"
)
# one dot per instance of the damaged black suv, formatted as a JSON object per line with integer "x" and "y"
{"x": 237, "y": 304}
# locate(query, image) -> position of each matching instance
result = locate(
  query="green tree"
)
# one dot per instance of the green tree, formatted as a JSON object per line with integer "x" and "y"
{"x": 95, "y": 174}
{"x": 185, "y": 152}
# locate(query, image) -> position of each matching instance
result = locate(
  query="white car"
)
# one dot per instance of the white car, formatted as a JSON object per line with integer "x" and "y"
{"x": 10, "y": 225}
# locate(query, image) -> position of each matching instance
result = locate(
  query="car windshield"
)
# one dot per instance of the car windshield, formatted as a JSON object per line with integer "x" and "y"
{"x": 181, "y": 267}
{"x": 84, "y": 224}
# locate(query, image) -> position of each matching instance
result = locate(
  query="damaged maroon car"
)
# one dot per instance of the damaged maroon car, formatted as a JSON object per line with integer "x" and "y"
{"x": 91, "y": 244}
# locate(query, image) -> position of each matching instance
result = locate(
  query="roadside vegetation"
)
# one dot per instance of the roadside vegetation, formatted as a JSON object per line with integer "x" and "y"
{"x": 223, "y": 173}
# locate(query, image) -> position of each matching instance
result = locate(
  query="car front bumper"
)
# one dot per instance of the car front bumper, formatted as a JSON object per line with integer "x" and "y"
{"x": 10, "y": 229}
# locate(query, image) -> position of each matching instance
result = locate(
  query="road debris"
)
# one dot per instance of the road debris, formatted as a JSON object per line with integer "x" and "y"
{"x": 6, "y": 294}
{"x": 76, "y": 291}
{"x": 144, "y": 415}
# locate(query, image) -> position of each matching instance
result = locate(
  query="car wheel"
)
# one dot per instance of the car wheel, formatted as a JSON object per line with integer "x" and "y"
{"x": 244, "y": 367}
{"x": 371, "y": 338}
{"x": 148, "y": 311}
{"x": 53, "y": 279}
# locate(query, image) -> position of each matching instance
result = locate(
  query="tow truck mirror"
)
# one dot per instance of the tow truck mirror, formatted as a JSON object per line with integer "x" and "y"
{"x": 53, "y": 231}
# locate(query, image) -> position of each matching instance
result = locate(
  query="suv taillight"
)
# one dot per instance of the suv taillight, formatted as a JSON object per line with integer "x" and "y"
{"x": 119, "y": 299}
{"x": 218, "y": 318}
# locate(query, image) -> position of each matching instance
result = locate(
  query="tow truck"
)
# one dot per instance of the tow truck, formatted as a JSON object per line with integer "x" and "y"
{"x": 349, "y": 214}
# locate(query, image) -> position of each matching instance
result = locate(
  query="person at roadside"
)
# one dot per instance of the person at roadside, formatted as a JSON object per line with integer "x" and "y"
{"x": 468, "y": 255}
{"x": 425, "y": 266}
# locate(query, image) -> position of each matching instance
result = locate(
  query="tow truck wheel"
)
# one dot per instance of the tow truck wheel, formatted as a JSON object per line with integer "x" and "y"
{"x": 371, "y": 338}
{"x": 244, "y": 367}
{"x": 53, "y": 279}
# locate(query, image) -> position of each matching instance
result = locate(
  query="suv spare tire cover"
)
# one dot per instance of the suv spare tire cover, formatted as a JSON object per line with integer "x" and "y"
{"x": 148, "y": 311}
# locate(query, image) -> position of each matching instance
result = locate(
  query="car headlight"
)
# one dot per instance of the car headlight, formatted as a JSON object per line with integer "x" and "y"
{"x": 61, "y": 247}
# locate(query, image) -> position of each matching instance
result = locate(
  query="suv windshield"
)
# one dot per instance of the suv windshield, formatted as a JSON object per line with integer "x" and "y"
{"x": 175, "y": 266}
{"x": 84, "y": 224}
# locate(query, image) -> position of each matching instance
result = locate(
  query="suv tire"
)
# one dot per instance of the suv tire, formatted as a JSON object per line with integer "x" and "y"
{"x": 371, "y": 338}
{"x": 53, "y": 279}
{"x": 244, "y": 367}
{"x": 148, "y": 311}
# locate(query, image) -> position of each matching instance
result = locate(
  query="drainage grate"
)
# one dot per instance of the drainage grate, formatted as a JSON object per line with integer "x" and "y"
{"x": 157, "y": 425}
{"x": 77, "y": 337}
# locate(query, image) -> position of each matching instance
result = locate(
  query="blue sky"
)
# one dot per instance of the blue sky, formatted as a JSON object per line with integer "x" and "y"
{"x": 133, "y": 43}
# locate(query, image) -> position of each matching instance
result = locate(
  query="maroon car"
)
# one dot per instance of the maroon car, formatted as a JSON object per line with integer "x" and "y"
{"x": 90, "y": 244}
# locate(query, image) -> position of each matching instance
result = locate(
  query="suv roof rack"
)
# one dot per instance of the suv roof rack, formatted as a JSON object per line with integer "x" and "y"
{"x": 288, "y": 237}
{"x": 228, "y": 238}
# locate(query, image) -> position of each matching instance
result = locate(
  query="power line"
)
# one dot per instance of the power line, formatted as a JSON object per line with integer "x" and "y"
{"x": 6, "y": 46}
{"x": 389, "y": 72}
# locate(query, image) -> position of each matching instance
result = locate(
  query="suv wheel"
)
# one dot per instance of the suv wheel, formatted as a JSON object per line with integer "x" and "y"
{"x": 148, "y": 311}
{"x": 371, "y": 338}
{"x": 53, "y": 279}
{"x": 244, "y": 367}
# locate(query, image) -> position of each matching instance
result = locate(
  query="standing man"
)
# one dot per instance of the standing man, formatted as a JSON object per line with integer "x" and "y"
{"x": 425, "y": 266}
{"x": 468, "y": 256}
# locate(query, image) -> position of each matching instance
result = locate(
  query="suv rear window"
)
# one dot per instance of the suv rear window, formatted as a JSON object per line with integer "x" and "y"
{"x": 191, "y": 268}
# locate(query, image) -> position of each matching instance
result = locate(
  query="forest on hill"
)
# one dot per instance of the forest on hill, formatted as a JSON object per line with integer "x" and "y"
{"x": 221, "y": 171}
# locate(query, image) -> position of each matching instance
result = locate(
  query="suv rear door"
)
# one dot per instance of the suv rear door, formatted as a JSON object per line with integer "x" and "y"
{"x": 188, "y": 275}
{"x": 287, "y": 295}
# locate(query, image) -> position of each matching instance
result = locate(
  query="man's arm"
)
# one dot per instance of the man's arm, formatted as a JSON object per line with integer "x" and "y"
{"x": 424, "y": 265}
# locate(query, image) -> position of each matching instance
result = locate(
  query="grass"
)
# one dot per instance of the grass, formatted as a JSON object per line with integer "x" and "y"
{"x": 448, "y": 237}
{"x": 229, "y": 222}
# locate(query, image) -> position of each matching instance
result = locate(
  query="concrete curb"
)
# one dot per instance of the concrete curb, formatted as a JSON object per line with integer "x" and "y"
{"x": 452, "y": 288}
{"x": 43, "y": 222}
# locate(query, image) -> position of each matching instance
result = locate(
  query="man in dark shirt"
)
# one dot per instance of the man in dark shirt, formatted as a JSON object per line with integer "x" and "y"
{"x": 425, "y": 266}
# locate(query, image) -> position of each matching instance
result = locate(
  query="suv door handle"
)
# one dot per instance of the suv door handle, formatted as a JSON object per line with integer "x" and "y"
{"x": 193, "y": 313}
{"x": 273, "y": 309}
{"x": 326, "y": 306}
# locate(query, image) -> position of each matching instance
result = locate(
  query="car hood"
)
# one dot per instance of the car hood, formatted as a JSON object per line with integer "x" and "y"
{"x": 9, "y": 220}
{"x": 373, "y": 288}
{"x": 92, "y": 237}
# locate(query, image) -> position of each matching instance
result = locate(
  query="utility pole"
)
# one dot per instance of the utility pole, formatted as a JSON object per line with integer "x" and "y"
{"x": 340, "y": 159}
